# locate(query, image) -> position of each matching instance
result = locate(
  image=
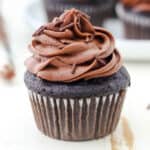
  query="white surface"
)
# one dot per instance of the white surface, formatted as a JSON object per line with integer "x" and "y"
{"x": 18, "y": 131}
{"x": 134, "y": 50}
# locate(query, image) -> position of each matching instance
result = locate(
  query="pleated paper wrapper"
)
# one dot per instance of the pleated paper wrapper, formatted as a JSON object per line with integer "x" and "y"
{"x": 77, "y": 119}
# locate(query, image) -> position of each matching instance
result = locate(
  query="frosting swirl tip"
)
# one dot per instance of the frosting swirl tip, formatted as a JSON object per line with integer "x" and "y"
{"x": 70, "y": 48}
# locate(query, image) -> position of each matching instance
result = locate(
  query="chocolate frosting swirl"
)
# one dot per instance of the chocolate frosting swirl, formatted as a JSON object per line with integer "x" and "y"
{"x": 70, "y": 48}
{"x": 138, "y": 5}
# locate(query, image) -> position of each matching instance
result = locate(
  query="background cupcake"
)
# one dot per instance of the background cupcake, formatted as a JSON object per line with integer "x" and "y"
{"x": 135, "y": 15}
{"x": 97, "y": 9}
{"x": 75, "y": 79}
{"x": 113, "y": 12}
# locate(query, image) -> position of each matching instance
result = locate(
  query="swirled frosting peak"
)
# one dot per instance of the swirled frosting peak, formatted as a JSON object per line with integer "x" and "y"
{"x": 70, "y": 48}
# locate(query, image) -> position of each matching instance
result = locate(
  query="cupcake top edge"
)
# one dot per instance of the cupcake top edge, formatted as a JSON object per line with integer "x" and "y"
{"x": 141, "y": 6}
{"x": 70, "y": 48}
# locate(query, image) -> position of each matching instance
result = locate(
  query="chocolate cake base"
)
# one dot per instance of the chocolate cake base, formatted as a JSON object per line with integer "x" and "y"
{"x": 82, "y": 88}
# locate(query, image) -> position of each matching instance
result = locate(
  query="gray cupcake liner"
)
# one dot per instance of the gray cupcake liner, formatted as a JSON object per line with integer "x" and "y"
{"x": 77, "y": 119}
{"x": 86, "y": 8}
{"x": 79, "y": 1}
{"x": 136, "y": 32}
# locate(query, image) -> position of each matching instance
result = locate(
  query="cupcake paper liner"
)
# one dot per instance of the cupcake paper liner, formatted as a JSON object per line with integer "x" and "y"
{"x": 136, "y": 32}
{"x": 135, "y": 25}
{"x": 77, "y": 119}
{"x": 97, "y": 12}
{"x": 75, "y": 1}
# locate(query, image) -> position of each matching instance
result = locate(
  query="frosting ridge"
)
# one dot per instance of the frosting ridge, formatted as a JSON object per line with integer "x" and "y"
{"x": 70, "y": 48}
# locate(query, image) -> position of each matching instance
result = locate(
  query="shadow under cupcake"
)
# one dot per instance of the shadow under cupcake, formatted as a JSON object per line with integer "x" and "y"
{"x": 76, "y": 80}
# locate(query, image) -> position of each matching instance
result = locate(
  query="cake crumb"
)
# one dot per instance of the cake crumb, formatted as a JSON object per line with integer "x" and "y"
{"x": 7, "y": 73}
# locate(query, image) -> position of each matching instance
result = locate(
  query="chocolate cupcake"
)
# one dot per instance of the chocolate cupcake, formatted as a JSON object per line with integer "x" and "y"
{"x": 135, "y": 15}
{"x": 75, "y": 79}
{"x": 97, "y": 9}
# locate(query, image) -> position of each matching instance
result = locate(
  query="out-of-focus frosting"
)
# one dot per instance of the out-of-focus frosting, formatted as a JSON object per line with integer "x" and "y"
{"x": 70, "y": 48}
{"x": 138, "y": 5}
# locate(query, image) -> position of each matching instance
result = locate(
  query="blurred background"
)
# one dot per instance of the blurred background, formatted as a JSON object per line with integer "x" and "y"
{"x": 20, "y": 18}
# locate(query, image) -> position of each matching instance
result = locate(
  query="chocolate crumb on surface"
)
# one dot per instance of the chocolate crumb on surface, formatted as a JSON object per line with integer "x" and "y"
{"x": 7, "y": 72}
